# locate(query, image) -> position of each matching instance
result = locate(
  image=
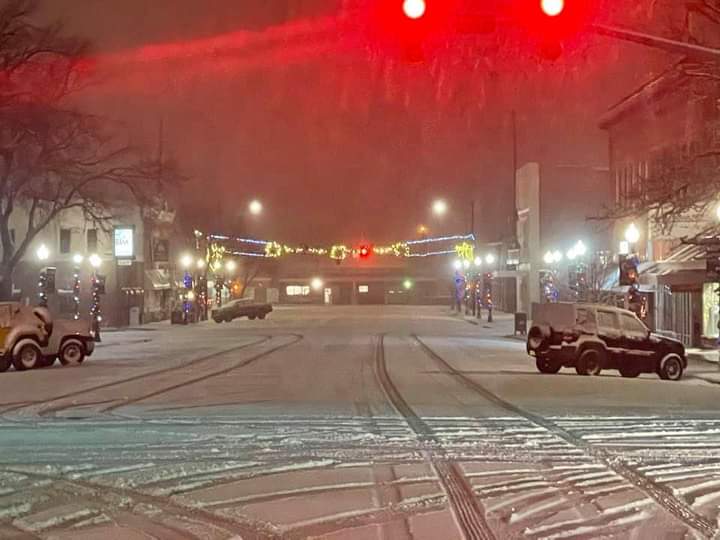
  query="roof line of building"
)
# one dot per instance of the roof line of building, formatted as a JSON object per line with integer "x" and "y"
{"x": 647, "y": 91}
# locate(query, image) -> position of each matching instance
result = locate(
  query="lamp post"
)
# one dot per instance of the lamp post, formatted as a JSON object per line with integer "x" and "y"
{"x": 77, "y": 261}
{"x": 97, "y": 289}
{"x": 43, "y": 254}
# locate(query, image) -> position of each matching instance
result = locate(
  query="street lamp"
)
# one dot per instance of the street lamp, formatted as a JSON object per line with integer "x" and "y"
{"x": 316, "y": 284}
{"x": 407, "y": 284}
{"x": 95, "y": 312}
{"x": 201, "y": 264}
{"x": 255, "y": 207}
{"x": 95, "y": 261}
{"x": 632, "y": 234}
{"x": 548, "y": 257}
{"x": 457, "y": 264}
{"x": 78, "y": 259}
{"x": 490, "y": 258}
{"x": 557, "y": 256}
{"x": 478, "y": 261}
{"x": 439, "y": 208}
{"x": 186, "y": 261}
{"x": 230, "y": 266}
{"x": 43, "y": 253}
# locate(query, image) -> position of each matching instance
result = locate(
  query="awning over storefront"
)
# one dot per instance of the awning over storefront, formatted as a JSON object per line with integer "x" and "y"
{"x": 159, "y": 279}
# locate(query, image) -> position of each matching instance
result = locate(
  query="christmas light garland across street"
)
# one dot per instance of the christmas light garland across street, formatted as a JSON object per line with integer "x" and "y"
{"x": 338, "y": 252}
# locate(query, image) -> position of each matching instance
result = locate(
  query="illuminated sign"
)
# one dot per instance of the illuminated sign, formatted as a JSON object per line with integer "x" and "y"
{"x": 124, "y": 242}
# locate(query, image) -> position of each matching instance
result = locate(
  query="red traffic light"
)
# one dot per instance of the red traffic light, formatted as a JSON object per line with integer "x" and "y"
{"x": 364, "y": 252}
{"x": 414, "y": 9}
{"x": 552, "y": 8}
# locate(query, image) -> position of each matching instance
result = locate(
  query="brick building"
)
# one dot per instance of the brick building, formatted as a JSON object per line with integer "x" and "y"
{"x": 657, "y": 137}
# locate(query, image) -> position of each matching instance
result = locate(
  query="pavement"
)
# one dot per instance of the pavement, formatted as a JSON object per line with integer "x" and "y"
{"x": 362, "y": 422}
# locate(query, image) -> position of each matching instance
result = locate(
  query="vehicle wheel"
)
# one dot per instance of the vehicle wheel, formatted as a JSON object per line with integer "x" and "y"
{"x": 72, "y": 353}
{"x": 671, "y": 368}
{"x": 536, "y": 341}
{"x": 4, "y": 363}
{"x": 252, "y": 317}
{"x": 28, "y": 356}
{"x": 590, "y": 362}
{"x": 228, "y": 319}
{"x": 262, "y": 316}
{"x": 218, "y": 320}
{"x": 547, "y": 366}
{"x": 629, "y": 372}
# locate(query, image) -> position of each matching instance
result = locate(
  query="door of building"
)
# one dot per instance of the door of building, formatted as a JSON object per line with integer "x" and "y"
{"x": 328, "y": 296}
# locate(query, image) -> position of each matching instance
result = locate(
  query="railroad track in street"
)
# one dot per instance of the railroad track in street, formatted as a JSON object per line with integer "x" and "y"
{"x": 461, "y": 498}
{"x": 661, "y": 494}
{"x": 46, "y": 407}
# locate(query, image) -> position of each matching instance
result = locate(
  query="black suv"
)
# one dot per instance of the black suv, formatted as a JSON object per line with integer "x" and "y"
{"x": 592, "y": 337}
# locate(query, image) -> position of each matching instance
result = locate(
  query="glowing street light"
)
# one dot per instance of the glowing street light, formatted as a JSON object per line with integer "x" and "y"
{"x": 316, "y": 284}
{"x": 557, "y": 256}
{"x": 466, "y": 264}
{"x": 490, "y": 258}
{"x": 457, "y": 264}
{"x": 230, "y": 266}
{"x": 548, "y": 257}
{"x": 95, "y": 260}
{"x": 552, "y": 8}
{"x": 580, "y": 249}
{"x": 414, "y": 9}
{"x": 632, "y": 234}
{"x": 78, "y": 259}
{"x": 201, "y": 264}
{"x": 439, "y": 208}
{"x": 407, "y": 284}
{"x": 478, "y": 261}
{"x": 43, "y": 253}
{"x": 255, "y": 207}
{"x": 186, "y": 261}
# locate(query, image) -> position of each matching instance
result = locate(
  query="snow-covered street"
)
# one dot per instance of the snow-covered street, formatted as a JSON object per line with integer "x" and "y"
{"x": 351, "y": 422}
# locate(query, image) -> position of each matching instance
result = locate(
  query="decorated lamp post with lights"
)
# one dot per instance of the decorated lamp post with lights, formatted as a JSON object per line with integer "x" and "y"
{"x": 77, "y": 261}
{"x": 97, "y": 283}
{"x": 487, "y": 298}
{"x": 46, "y": 281}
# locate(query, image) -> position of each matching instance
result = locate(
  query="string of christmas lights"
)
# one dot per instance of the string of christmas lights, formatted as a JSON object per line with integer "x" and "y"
{"x": 339, "y": 252}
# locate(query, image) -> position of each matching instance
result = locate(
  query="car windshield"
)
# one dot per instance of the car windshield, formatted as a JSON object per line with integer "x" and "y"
{"x": 359, "y": 269}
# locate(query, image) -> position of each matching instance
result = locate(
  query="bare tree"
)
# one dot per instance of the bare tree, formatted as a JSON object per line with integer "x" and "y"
{"x": 248, "y": 272}
{"x": 54, "y": 158}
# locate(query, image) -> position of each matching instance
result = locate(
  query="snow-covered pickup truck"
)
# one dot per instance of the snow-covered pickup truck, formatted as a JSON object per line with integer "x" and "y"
{"x": 24, "y": 330}
{"x": 240, "y": 308}
{"x": 593, "y": 337}
{"x": 70, "y": 342}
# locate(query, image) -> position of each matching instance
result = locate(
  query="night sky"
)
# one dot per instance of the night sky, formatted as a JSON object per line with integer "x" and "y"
{"x": 341, "y": 138}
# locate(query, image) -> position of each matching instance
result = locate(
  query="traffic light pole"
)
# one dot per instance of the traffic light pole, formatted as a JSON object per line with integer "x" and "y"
{"x": 698, "y": 52}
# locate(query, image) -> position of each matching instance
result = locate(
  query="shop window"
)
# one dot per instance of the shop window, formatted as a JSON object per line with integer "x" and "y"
{"x": 297, "y": 290}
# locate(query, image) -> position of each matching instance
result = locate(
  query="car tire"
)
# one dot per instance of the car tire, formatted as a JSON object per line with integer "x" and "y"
{"x": 252, "y": 317}
{"x": 537, "y": 341}
{"x": 4, "y": 363}
{"x": 590, "y": 362}
{"x": 547, "y": 366}
{"x": 671, "y": 368}
{"x": 228, "y": 319}
{"x": 72, "y": 353}
{"x": 629, "y": 372}
{"x": 218, "y": 320}
{"x": 27, "y": 356}
{"x": 262, "y": 316}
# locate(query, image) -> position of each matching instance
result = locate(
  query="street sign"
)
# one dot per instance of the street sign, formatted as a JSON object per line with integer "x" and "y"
{"x": 124, "y": 262}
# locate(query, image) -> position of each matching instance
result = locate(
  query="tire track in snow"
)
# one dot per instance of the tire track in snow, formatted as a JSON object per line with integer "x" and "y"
{"x": 659, "y": 493}
{"x": 469, "y": 514}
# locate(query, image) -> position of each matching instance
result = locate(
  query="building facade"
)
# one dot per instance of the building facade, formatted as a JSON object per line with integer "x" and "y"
{"x": 661, "y": 143}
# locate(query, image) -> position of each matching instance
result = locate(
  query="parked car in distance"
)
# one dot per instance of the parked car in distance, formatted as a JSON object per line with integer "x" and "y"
{"x": 593, "y": 337}
{"x": 71, "y": 342}
{"x": 240, "y": 308}
{"x": 24, "y": 330}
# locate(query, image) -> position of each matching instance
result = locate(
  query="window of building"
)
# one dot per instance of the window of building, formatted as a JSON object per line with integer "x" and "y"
{"x": 297, "y": 290}
{"x": 91, "y": 240}
{"x": 363, "y": 289}
{"x": 65, "y": 236}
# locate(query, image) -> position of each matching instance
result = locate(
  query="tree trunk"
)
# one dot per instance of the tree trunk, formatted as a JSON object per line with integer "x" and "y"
{"x": 6, "y": 284}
